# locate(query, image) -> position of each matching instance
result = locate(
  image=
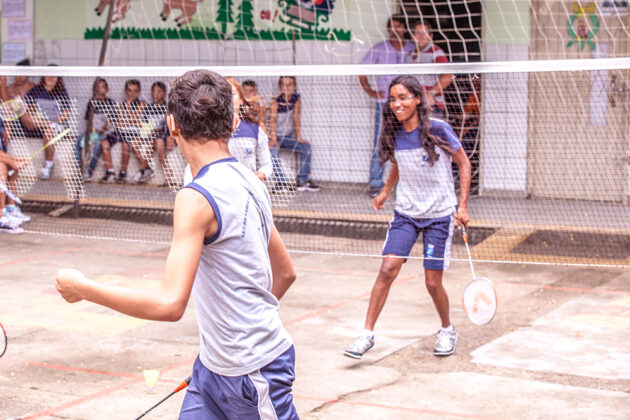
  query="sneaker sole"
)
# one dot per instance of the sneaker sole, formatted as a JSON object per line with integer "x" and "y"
{"x": 352, "y": 354}
{"x": 355, "y": 355}
{"x": 443, "y": 353}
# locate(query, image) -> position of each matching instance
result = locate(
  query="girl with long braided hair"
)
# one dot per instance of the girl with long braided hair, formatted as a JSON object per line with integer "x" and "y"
{"x": 421, "y": 150}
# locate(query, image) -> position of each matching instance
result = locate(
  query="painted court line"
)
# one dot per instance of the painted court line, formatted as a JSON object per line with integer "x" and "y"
{"x": 40, "y": 256}
{"x": 396, "y": 408}
{"x": 102, "y": 393}
{"x": 342, "y": 303}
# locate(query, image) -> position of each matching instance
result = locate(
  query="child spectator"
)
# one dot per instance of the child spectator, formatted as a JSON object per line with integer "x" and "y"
{"x": 48, "y": 112}
{"x": 258, "y": 108}
{"x": 20, "y": 86}
{"x": 99, "y": 108}
{"x": 155, "y": 119}
{"x": 249, "y": 143}
{"x": 285, "y": 132}
{"x": 127, "y": 129}
{"x": 11, "y": 217}
{"x": 427, "y": 52}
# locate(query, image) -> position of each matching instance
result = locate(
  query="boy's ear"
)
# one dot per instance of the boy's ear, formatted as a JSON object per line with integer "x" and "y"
{"x": 172, "y": 126}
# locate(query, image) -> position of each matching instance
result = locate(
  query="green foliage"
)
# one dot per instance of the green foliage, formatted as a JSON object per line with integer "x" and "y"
{"x": 241, "y": 34}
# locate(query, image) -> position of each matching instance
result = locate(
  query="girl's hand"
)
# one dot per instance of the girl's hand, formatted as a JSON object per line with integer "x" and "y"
{"x": 379, "y": 201}
{"x": 301, "y": 140}
{"x": 261, "y": 176}
{"x": 462, "y": 217}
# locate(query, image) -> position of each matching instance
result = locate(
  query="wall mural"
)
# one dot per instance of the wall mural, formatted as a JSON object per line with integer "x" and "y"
{"x": 277, "y": 20}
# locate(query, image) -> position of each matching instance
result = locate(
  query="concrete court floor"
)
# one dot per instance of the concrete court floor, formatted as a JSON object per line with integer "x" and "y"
{"x": 558, "y": 347}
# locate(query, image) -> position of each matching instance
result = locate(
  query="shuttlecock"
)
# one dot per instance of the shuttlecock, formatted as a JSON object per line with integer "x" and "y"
{"x": 151, "y": 377}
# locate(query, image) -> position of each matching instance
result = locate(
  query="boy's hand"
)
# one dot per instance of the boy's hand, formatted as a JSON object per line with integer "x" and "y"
{"x": 69, "y": 283}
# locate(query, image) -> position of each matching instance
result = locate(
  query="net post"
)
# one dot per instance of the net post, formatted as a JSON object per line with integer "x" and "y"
{"x": 108, "y": 25}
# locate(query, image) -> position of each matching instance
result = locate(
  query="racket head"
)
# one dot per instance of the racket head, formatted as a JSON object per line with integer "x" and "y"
{"x": 13, "y": 109}
{"x": 480, "y": 301}
{"x": 3, "y": 340}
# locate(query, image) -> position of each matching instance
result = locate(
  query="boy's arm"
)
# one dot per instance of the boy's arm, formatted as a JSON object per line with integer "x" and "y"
{"x": 272, "y": 124}
{"x": 193, "y": 221}
{"x": 296, "y": 120}
{"x": 4, "y": 93}
{"x": 281, "y": 265}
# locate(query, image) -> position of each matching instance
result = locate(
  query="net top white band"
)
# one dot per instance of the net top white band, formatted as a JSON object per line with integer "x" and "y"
{"x": 327, "y": 70}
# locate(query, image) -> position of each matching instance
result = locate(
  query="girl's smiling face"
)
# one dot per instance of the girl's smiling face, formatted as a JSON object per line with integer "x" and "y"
{"x": 403, "y": 103}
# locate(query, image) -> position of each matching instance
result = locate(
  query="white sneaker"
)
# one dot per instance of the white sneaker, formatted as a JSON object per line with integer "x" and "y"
{"x": 360, "y": 346}
{"x": 445, "y": 344}
{"x": 45, "y": 172}
{"x": 17, "y": 214}
{"x": 10, "y": 226}
{"x": 147, "y": 175}
{"x": 138, "y": 176}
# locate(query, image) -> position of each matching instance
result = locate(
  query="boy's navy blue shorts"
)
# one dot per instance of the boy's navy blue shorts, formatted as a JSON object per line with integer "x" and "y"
{"x": 263, "y": 394}
{"x": 437, "y": 237}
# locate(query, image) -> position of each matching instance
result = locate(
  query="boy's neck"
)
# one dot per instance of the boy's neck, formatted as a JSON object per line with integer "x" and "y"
{"x": 200, "y": 155}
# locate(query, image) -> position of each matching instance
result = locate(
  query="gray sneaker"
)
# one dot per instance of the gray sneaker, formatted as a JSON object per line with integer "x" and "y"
{"x": 360, "y": 346}
{"x": 445, "y": 344}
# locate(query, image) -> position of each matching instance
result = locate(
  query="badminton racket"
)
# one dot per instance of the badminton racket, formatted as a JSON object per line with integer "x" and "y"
{"x": 50, "y": 143}
{"x": 181, "y": 386}
{"x": 3, "y": 340}
{"x": 41, "y": 149}
{"x": 480, "y": 297}
{"x": 12, "y": 109}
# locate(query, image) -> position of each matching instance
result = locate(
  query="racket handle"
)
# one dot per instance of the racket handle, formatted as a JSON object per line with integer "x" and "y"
{"x": 464, "y": 234}
{"x": 10, "y": 194}
{"x": 183, "y": 385}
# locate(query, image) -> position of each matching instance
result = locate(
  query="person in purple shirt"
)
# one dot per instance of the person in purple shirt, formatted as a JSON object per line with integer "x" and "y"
{"x": 392, "y": 51}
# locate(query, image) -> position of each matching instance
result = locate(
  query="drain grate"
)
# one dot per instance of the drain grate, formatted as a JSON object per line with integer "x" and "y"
{"x": 575, "y": 244}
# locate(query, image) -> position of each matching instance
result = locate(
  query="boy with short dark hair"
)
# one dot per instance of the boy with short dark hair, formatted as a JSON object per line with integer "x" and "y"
{"x": 227, "y": 252}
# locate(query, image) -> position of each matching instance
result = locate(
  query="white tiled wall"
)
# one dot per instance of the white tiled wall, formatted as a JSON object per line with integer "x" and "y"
{"x": 505, "y": 120}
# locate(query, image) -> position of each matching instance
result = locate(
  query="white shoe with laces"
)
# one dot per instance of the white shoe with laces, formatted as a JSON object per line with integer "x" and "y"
{"x": 9, "y": 226}
{"x": 17, "y": 214}
{"x": 445, "y": 344}
{"x": 360, "y": 346}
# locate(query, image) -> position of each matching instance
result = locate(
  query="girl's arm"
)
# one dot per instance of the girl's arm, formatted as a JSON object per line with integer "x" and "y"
{"x": 463, "y": 163}
{"x": 379, "y": 201}
{"x": 296, "y": 121}
{"x": 263, "y": 156}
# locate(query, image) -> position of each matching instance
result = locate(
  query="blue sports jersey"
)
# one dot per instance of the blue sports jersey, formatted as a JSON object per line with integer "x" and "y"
{"x": 425, "y": 191}
{"x": 50, "y": 104}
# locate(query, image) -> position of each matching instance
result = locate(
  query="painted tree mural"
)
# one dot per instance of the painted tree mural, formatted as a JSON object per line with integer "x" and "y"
{"x": 245, "y": 18}
{"x": 224, "y": 14}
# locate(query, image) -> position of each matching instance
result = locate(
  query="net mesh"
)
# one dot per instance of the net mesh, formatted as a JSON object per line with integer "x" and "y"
{"x": 547, "y": 141}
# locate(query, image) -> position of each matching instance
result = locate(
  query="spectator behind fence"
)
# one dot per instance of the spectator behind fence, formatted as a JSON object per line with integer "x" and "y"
{"x": 427, "y": 52}
{"x": 258, "y": 108}
{"x": 249, "y": 143}
{"x": 156, "y": 115}
{"x": 392, "y": 51}
{"x": 285, "y": 132}
{"x": 20, "y": 86}
{"x": 97, "y": 113}
{"x": 48, "y": 111}
{"x": 11, "y": 217}
{"x": 127, "y": 127}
